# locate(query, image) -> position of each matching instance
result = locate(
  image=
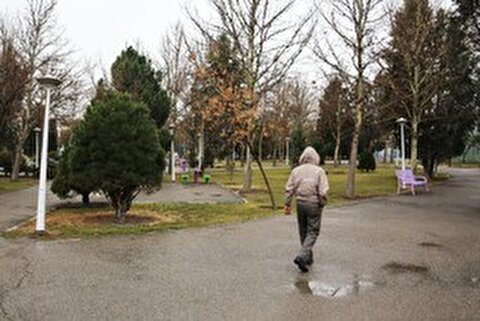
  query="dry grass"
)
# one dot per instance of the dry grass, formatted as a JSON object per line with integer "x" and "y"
{"x": 7, "y": 185}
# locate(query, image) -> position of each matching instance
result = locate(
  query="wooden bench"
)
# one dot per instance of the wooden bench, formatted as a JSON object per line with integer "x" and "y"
{"x": 406, "y": 179}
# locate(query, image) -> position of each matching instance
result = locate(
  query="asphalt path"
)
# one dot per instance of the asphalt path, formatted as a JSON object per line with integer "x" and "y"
{"x": 394, "y": 258}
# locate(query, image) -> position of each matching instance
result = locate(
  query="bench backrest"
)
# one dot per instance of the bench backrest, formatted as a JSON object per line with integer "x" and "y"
{"x": 405, "y": 176}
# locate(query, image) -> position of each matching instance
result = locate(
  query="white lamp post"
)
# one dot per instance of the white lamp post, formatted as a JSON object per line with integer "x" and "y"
{"x": 171, "y": 129}
{"x": 37, "y": 131}
{"x": 287, "y": 149}
{"x": 402, "y": 121}
{"x": 48, "y": 82}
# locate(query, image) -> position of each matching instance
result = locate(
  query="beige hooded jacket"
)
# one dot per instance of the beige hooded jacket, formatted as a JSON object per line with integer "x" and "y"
{"x": 308, "y": 182}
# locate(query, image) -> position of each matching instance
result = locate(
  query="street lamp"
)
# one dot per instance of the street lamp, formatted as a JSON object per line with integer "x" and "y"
{"x": 402, "y": 121}
{"x": 37, "y": 131}
{"x": 287, "y": 148}
{"x": 48, "y": 82}
{"x": 171, "y": 130}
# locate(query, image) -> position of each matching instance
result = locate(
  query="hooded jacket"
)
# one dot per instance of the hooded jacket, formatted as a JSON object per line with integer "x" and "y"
{"x": 307, "y": 182}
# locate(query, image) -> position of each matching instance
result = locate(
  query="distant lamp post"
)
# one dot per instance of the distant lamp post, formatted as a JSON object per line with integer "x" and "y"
{"x": 37, "y": 131}
{"x": 171, "y": 130}
{"x": 287, "y": 149}
{"x": 402, "y": 121}
{"x": 48, "y": 82}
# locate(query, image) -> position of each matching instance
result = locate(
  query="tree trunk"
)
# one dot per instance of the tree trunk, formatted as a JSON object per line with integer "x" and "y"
{"x": 120, "y": 212}
{"x": 242, "y": 156}
{"x": 260, "y": 149}
{"x": 385, "y": 151}
{"x": 352, "y": 166}
{"x": 336, "y": 155}
{"x": 267, "y": 183}
{"x": 415, "y": 118}
{"x": 414, "y": 145}
{"x": 85, "y": 199}
{"x": 17, "y": 159}
{"x": 274, "y": 154}
{"x": 356, "y": 135}
{"x": 247, "y": 176}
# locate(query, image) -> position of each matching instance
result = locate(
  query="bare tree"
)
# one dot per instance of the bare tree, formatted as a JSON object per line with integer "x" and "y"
{"x": 353, "y": 25}
{"x": 289, "y": 101}
{"x": 175, "y": 69}
{"x": 42, "y": 46}
{"x": 268, "y": 41}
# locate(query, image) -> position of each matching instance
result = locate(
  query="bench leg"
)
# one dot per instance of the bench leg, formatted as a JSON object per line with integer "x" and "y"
{"x": 413, "y": 190}
{"x": 399, "y": 187}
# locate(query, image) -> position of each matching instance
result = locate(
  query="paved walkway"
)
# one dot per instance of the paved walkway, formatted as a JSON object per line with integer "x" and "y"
{"x": 398, "y": 258}
{"x": 18, "y": 206}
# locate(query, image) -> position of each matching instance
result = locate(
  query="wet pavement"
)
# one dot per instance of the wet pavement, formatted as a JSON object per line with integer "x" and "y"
{"x": 398, "y": 258}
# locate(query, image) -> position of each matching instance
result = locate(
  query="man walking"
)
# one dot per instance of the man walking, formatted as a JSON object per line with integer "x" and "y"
{"x": 309, "y": 184}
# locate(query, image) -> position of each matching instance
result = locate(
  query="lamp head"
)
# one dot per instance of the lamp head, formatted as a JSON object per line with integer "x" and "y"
{"x": 49, "y": 81}
{"x": 401, "y": 120}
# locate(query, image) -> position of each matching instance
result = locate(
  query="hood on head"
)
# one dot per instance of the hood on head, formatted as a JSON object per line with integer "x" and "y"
{"x": 309, "y": 156}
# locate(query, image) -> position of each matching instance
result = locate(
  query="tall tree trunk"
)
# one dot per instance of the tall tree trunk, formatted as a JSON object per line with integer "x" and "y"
{"x": 336, "y": 155}
{"x": 414, "y": 145}
{"x": 247, "y": 174}
{"x": 355, "y": 139}
{"x": 415, "y": 118}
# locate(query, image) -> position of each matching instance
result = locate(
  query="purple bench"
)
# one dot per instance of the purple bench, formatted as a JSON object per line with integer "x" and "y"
{"x": 406, "y": 179}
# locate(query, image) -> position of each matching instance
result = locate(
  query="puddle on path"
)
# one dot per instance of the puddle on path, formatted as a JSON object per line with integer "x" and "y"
{"x": 398, "y": 267}
{"x": 333, "y": 290}
{"x": 429, "y": 244}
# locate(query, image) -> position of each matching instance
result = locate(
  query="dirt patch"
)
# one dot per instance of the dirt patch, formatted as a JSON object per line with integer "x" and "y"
{"x": 429, "y": 244}
{"x": 97, "y": 219}
{"x": 134, "y": 217}
{"x": 398, "y": 267}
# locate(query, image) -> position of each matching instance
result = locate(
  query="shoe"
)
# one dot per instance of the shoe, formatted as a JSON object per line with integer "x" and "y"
{"x": 309, "y": 261}
{"x": 301, "y": 265}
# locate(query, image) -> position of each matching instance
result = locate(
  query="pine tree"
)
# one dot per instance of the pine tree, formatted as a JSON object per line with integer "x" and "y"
{"x": 444, "y": 132}
{"x": 299, "y": 143}
{"x": 133, "y": 73}
{"x": 116, "y": 150}
{"x": 412, "y": 60}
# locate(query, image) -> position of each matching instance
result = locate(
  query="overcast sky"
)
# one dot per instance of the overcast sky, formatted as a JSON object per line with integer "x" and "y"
{"x": 99, "y": 29}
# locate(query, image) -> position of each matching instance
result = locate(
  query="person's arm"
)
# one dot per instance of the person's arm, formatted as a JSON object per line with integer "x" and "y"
{"x": 323, "y": 187}
{"x": 289, "y": 192}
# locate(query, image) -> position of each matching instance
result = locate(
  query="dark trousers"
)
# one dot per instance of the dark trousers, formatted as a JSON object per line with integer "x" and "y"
{"x": 309, "y": 216}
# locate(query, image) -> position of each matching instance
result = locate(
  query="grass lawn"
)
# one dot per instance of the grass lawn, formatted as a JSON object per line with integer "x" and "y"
{"x": 92, "y": 222}
{"x": 466, "y": 165}
{"x": 6, "y": 185}
{"x": 378, "y": 183}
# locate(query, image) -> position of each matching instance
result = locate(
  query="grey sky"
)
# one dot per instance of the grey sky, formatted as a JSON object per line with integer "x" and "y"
{"x": 100, "y": 29}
